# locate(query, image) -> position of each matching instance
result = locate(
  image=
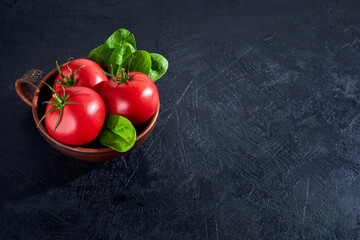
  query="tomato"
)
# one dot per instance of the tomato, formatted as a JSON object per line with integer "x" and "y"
{"x": 82, "y": 117}
{"x": 135, "y": 99}
{"x": 89, "y": 74}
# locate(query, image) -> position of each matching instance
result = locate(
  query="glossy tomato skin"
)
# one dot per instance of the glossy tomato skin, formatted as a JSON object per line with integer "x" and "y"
{"x": 80, "y": 123}
{"x": 137, "y": 99}
{"x": 89, "y": 76}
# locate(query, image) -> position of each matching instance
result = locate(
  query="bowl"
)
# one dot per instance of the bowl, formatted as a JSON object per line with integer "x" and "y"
{"x": 32, "y": 90}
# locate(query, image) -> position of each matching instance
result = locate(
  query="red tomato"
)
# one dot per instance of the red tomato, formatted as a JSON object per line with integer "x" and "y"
{"x": 79, "y": 123}
{"x": 90, "y": 75}
{"x": 136, "y": 99}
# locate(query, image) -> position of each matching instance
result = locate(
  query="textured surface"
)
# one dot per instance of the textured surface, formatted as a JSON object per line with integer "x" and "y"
{"x": 258, "y": 135}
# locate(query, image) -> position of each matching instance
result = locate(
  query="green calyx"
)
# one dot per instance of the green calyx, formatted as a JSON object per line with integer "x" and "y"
{"x": 67, "y": 81}
{"x": 124, "y": 75}
{"x": 59, "y": 103}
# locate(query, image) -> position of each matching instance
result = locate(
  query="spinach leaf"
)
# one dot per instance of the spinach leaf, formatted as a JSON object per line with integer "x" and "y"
{"x": 120, "y": 37}
{"x": 102, "y": 54}
{"x": 99, "y": 55}
{"x": 118, "y": 133}
{"x": 139, "y": 61}
{"x": 159, "y": 65}
{"x": 119, "y": 54}
{"x": 119, "y": 51}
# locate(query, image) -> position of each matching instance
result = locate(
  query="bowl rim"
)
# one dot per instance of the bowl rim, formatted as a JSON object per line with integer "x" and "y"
{"x": 73, "y": 147}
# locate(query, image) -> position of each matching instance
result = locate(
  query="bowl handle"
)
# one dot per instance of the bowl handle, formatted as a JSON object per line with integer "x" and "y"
{"x": 27, "y": 84}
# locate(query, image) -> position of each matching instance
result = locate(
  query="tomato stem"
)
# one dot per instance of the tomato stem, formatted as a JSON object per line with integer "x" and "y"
{"x": 58, "y": 99}
{"x": 124, "y": 76}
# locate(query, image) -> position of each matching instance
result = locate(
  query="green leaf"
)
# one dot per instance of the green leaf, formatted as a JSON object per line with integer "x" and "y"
{"x": 120, "y": 37}
{"x": 159, "y": 65}
{"x": 139, "y": 61}
{"x": 118, "y": 133}
{"x": 119, "y": 54}
{"x": 95, "y": 54}
{"x": 100, "y": 55}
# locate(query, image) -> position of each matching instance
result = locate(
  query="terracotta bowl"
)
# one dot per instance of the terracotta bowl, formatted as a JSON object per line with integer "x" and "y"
{"x": 33, "y": 92}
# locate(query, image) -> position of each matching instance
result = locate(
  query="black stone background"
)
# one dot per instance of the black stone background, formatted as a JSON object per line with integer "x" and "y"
{"x": 258, "y": 134}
